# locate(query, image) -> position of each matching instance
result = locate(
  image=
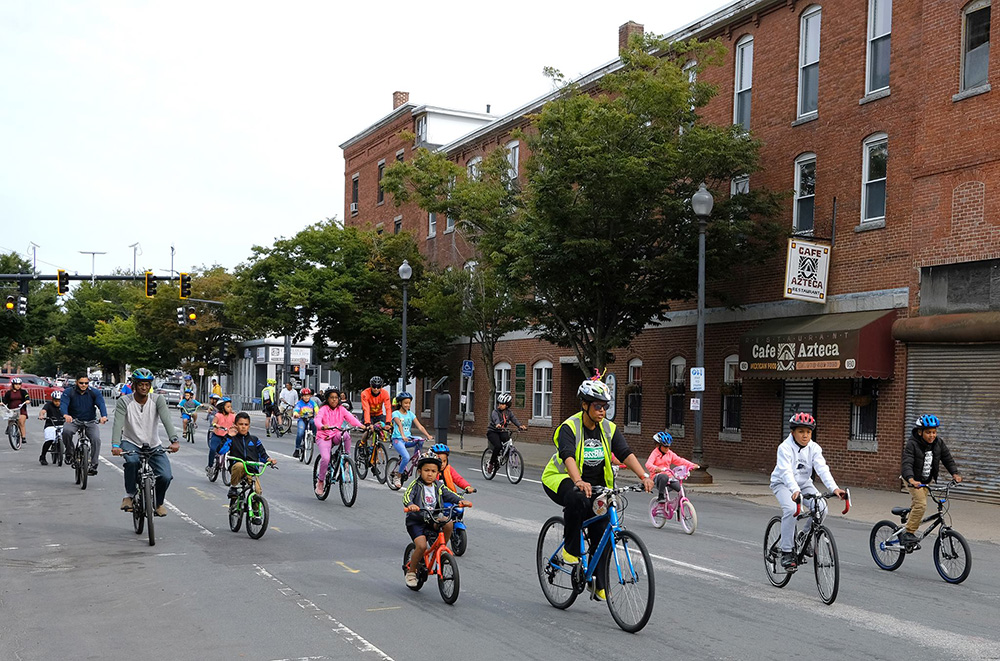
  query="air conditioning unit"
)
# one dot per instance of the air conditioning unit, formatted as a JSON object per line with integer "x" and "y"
{"x": 354, "y": 207}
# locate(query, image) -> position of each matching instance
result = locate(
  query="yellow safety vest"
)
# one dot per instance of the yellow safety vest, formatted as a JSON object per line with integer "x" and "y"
{"x": 555, "y": 471}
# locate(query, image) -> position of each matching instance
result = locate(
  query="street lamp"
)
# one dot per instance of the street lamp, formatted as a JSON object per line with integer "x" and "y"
{"x": 405, "y": 273}
{"x": 701, "y": 203}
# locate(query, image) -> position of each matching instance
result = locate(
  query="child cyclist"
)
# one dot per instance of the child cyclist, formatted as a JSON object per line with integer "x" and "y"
{"x": 189, "y": 409}
{"x": 426, "y": 494}
{"x": 305, "y": 410}
{"x": 451, "y": 478}
{"x": 242, "y": 445}
{"x": 402, "y": 421}
{"x": 496, "y": 431}
{"x": 53, "y": 418}
{"x": 922, "y": 457}
{"x": 798, "y": 456}
{"x": 212, "y": 408}
{"x": 222, "y": 426}
{"x": 329, "y": 432}
{"x": 661, "y": 460}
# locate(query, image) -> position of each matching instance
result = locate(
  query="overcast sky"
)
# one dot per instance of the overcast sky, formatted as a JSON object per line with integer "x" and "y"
{"x": 214, "y": 126}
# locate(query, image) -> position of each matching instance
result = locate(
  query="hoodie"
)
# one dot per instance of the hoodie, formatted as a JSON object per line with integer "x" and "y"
{"x": 796, "y": 464}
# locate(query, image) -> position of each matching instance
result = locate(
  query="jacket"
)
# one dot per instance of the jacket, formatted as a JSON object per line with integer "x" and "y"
{"x": 796, "y": 464}
{"x": 81, "y": 405}
{"x": 917, "y": 452}
{"x": 659, "y": 462}
{"x": 375, "y": 405}
{"x": 335, "y": 418}
{"x": 555, "y": 471}
{"x": 414, "y": 495}
{"x": 247, "y": 448}
{"x": 500, "y": 419}
{"x": 453, "y": 480}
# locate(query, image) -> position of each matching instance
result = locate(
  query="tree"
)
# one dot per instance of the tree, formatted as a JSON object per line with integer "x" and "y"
{"x": 32, "y": 331}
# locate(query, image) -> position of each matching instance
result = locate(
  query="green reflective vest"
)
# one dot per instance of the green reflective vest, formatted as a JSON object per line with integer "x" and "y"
{"x": 555, "y": 471}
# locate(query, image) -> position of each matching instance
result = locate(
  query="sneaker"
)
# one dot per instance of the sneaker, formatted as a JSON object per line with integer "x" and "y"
{"x": 269, "y": 434}
{"x": 127, "y": 504}
{"x": 295, "y": 455}
{"x": 411, "y": 579}
{"x": 232, "y": 493}
{"x": 208, "y": 472}
{"x": 907, "y": 538}
{"x": 661, "y": 500}
{"x": 569, "y": 558}
{"x": 320, "y": 487}
{"x": 42, "y": 461}
{"x": 160, "y": 511}
{"x": 597, "y": 595}
{"x": 92, "y": 471}
{"x": 788, "y": 559}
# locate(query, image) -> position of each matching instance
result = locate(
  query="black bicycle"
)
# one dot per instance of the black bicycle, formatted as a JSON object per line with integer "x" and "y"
{"x": 952, "y": 556}
{"x": 509, "y": 457}
{"x": 340, "y": 470}
{"x": 55, "y": 449}
{"x": 370, "y": 453}
{"x": 144, "y": 501}
{"x": 81, "y": 457}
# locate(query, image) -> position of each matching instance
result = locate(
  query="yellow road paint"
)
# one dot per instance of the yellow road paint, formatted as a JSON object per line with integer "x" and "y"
{"x": 353, "y": 571}
{"x": 202, "y": 494}
{"x": 387, "y": 608}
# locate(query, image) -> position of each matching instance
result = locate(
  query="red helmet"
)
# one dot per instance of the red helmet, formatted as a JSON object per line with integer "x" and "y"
{"x": 802, "y": 419}
{"x": 305, "y": 391}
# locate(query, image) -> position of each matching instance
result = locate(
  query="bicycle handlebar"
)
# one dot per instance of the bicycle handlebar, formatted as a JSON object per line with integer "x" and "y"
{"x": 827, "y": 495}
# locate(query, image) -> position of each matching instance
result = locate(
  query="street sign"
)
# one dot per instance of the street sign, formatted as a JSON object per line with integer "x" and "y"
{"x": 302, "y": 369}
{"x": 697, "y": 379}
{"x": 696, "y": 403}
{"x": 468, "y": 367}
{"x": 612, "y": 384}
{"x": 201, "y": 371}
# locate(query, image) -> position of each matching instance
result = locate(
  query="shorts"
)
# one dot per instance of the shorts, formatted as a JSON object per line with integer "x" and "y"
{"x": 378, "y": 418}
{"x": 268, "y": 409}
{"x": 50, "y": 433}
{"x": 417, "y": 528}
{"x": 185, "y": 416}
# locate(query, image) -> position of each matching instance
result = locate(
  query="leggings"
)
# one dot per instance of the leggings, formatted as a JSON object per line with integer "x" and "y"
{"x": 497, "y": 437}
{"x": 399, "y": 445}
{"x": 576, "y": 509}
{"x": 325, "y": 446}
{"x": 663, "y": 481}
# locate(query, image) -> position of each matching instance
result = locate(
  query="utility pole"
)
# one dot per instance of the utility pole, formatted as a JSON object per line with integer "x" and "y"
{"x": 34, "y": 255}
{"x": 136, "y": 250}
{"x": 93, "y": 254}
{"x": 172, "y": 261}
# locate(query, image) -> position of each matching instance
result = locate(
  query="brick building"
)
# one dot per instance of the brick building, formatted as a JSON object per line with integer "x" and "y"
{"x": 880, "y": 121}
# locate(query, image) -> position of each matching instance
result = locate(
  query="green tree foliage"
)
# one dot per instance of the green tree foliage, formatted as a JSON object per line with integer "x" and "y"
{"x": 17, "y": 333}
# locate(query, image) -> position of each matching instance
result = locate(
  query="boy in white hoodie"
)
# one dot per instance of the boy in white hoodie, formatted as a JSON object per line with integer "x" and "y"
{"x": 798, "y": 456}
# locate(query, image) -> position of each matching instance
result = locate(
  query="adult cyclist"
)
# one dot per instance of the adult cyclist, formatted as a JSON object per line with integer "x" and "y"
{"x": 267, "y": 399}
{"x": 375, "y": 403}
{"x": 585, "y": 443}
{"x": 78, "y": 404}
{"x": 135, "y": 426}
{"x": 18, "y": 399}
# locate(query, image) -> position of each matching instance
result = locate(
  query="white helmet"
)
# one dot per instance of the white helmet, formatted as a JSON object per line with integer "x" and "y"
{"x": 593, "y": 390}
{"x": 503, "y": 398}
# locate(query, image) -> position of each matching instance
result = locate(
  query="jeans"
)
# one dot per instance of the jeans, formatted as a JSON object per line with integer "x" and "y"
{"x": 577, "y": 508}
{"x": 399, "y": 445}
{"x": 214, "y": 443}
{"x": 788, "y": 507}
{"x": 160, "y": 465}
{"x": 497, "y": 437}
{"x": 302, "y": 431}
{"x": 325, "y": 446}
{"x": 93, "y": 433}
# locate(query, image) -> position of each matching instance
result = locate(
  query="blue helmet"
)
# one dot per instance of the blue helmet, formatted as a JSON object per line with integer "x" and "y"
{"x": 225, "y": 399}
{"x": 927, "y": 421}
{"x": 142, "y": 374}
{"x": 403, "y": 395}
{"x": 663, "y": 438}
{"x": 440, "y": 448}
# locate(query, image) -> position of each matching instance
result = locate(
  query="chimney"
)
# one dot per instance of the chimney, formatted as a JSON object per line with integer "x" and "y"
{"x": 487, "y": 108}
{"x": 625, "y": 33}
{"x": 399, "y": 98}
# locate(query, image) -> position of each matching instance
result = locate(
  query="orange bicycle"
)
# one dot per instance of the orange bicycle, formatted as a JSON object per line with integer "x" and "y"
{"x": 438, "y": 559}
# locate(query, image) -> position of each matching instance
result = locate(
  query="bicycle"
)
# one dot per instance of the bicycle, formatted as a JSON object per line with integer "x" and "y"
{"x": 144, "y": 501}
{"x": 81, "y": 457}
{"x": 437, "y": 560}
{"x": 370, "y": 453}
{"x": 249, "y": 502}
{"x": 626, "y": 567}
{"x": 285, "y": 425}
{"x": 308, "y": 441}
{"x": 219, "y": 467}
{"x": 192, "y": 427}
{"x": 341, "y": 470}
{"x": 417, "y": 444}
{"x": 818, "y": 543}
{"x": 274, "y": 426}
{"x": 13, "y": 429}
{"x": 952, "y": 556}
{"x": 509, "y": 457}
{"x": 660, "y": 513}
{"x": 55, "y": 450}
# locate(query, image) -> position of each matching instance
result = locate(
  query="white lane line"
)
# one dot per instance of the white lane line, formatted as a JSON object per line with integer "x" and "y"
{"x": 698, "y": 568}
{"x": 338, "y": 627}
{"x": 9, "y": 548}
{"x": 170, "y": 506}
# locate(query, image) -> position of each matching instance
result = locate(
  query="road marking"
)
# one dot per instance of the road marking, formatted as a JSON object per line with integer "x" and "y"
{"x": 386, "y": 608}
{"x": 9, "y": 548}
{"x": 52, "y": 545}
{"x": 165, "y": 555}
{"x": 688, "y": 565}
{"x": 345, "y": 632}
{"x": 203, "y": 494}
{"x": 353, "y": 571}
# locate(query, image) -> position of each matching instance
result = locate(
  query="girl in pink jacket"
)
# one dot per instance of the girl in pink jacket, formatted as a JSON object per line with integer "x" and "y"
{"x": 660, "y": 462}
{"x": 329, "y": 430}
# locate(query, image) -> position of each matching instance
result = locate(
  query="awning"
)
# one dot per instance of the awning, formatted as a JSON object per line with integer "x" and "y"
{"x": 826, "y": 346}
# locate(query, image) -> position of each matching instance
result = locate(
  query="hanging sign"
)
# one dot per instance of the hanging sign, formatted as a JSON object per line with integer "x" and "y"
{"x": 807, "y": 270}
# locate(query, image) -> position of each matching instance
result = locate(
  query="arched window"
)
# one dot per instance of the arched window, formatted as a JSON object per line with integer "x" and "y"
{"x": 472, "y": 167}
{"x": 541, "y": 392}
{"x": 501, "y": 374}
{"x": 513, "y": 160}
{"x": 809, "y": 61}
{"x": 633, "y": 393}
{"x": 676, "y": 391}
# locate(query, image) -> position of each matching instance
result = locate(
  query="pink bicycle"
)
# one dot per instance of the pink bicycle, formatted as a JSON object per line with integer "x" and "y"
{"x": 676, "y": 503}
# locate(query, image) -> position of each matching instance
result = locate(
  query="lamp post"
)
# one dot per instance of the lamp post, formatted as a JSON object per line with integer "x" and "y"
{"x": 701, "y": 203}
{"x": 405, "y": 273}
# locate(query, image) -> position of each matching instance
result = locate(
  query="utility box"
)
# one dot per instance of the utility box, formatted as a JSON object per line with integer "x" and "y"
{"x": 442, "y": 411}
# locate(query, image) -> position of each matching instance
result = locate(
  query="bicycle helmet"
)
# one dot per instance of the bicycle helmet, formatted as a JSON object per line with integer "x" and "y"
{"x": 305, "y": 391}
{"x": 271, "y": 382}
{"x": 802, "y": 419}
{"x": 927, "y": 421}
{"x": 225, "y": 399}
{"x": 142, "y": 374}
{"x": 503, "y": 398}
{"x": 594, "y": 390}
{"x": 213, "y": 396}
{"x": 187, "y": 377}
{"x": 376, "y": 382}
{"x": 663, "y": 438}
{"x": 440, "y": 448}
{"x": 428, "y": 458}
{"x": 403, "y": 395}
{"x": 15, "y": 381}
{"x": 188, "y": 391}
{"x": 56, "y": 394}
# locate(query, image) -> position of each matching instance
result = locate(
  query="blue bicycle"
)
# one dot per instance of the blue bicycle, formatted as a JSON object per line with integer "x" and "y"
{"x": 621, "y": 557}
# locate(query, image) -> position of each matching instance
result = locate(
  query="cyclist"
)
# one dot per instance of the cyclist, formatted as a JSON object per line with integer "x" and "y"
{"x": 78, "y": 406}
{"x": 329, "y": 431}
{"x": 267, "y": 399}
{"x": 305, "y": 410}
{"x": 426, "y": 494}
{"x": 660, "y": 462}
{"x": 189, "y": 409}
{"x": 53, "y": 417}
{"x": 375, "y": 405}
{"x": 243, "y": 446}
{"x": 583, "y": 459}
{"x": 18, "y": 399}
{"x": 402, "y": 421}
{"x": 189, "y": 384}
{"x": 922, "y": 457}
{"x": 287, "y": 398}
{"x": 798, "y": 457}
{"x": 211, "y": 409}
{"x": 496, "y": 430}
{"x": 135, "y": 426}
{"x": 451, "y": 478}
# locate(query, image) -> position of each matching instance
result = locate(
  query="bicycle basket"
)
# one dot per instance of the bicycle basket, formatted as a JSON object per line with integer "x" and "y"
{"x": 681, "y": 472}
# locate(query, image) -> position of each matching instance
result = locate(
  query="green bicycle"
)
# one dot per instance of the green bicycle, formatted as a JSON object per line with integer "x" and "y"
{"x": 248, "y": 502}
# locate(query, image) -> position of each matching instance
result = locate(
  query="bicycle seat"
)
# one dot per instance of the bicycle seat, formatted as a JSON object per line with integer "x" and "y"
{"x": 901, "y": 511}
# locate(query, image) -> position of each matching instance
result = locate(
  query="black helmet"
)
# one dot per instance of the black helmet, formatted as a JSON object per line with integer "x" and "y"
{"x": 428, "y": 458}
{"x": 376, "y": 382}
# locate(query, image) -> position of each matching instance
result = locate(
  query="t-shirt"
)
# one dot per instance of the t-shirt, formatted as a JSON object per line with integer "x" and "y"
{"x": 289, "y": 396}
{"x": 307, "y": 409}
{"x": 189, "y": 406}
{"x": 592, "y": 470}
{"x": 53, "y": 416}
{"x": 430, "y": 497}
{"x": 406, "y": 420}
{"x": 15, "y": 399}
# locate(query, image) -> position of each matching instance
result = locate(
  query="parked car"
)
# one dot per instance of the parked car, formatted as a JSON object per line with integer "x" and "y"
{"x": 171, "y": 390}
{"x": 38, "y": 389}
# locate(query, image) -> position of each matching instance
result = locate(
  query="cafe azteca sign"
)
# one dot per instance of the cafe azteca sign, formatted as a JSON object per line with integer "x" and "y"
{"x": 826, "y": 353}
{"x": 807, "y": 270}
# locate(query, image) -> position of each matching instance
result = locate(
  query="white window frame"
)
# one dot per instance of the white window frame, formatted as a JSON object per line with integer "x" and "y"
{"x": 971, "y": 8}
{"x": 501, "y": 374}
{"x": 427, "y": 395}
{"x": 730, "y": 376}
{"x": 449, "y": 224}
{"x": 739, "y": 185}
{"x": 541, "y": 392}
{"x": 421, "y": 129}
{"x": 815, "y": 11}
{"x": 872, "y": 38}
{"x": 872, "y": 141}
{"x": 744, "y": 45}
{"x": 473, "y": 166}
{"x": 800, "y": 162}
{"x": 634, "y": 376}
{"x": 513, "y": 159}
{"x": 397, "y": 222}
{"x": 381, "y": 191}
{"x": 431, "y": 224}
{"x": 677, "y": 374}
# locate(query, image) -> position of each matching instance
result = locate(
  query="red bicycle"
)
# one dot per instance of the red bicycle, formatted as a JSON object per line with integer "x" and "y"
{"x": 438, "y": 560}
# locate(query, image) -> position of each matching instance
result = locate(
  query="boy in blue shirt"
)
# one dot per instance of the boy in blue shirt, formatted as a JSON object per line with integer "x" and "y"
{"x": 305, "y": 410}
{"x": 189, "y": 409}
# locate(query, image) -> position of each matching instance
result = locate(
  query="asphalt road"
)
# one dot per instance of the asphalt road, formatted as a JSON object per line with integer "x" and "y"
{"x": 325, "y": 581}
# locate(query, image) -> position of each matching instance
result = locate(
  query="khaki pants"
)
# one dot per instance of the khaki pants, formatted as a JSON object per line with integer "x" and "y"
{"x": 918, "y": 505}
{"x": 237, "y": 473}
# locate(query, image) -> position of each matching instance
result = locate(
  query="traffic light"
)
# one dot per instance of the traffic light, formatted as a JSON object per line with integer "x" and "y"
{"x": 62, "y": 282}
{"x": 22, "y": 305}
{"x": 150, "y": 285}
{"x": 11, "y": 304}
{"x": 185, "y": 285}
{"x": 181, "y": 317}
{"x": 192, "y": 316}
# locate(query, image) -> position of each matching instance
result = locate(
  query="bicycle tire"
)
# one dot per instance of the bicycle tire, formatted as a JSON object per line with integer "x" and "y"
{"x": 421, "y": 575}
{"x": 625, "y": 581}
{"x": 459, "y": 541}
{"x": 688, "y": 516}
{"x": 189, "y": 435}
{"x": 515, "y": 466}
{"x": 148, "y": 502}
{"x": 257, "y": 525}
{"x": 326, "y": 483}
{"x": 772, "y": 554}
{"x": 826, "y": 565}
{"x": 227, "y": 477}
{"x": 236, "y": 513}
{"x": 361, "y": 459}
{"x": 878, "y": 542}
{"x": 449, "y": 580}
{"x": 214, "y": 475}
{"x": 657, "y": 514}
{"x": 84, "y": 465}
{"x": 952, "y": 556}
{"x": 380, "y": 462}
{"x": 485, "y": 465}
{"x": 308, "y": 450}
{"x": 286, "y": 426}
{"x": 390, "y": 468}
{"x": 14, "y": 435}
{"x": 138, "y": 513}
{"x": 557, "y": 584}
{"x": 347, "y": 480}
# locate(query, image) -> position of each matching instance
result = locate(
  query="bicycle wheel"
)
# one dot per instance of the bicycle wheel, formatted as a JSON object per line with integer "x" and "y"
{"x": 326, "y": 483}
{"x": 448, "y": 578}
{"x": 308, "y": 450}
{"x": 688, "y": 516}
{"x": 421, "y": 575}
{"x": 76, "y": 465}
{"x": 214, "y": 475}
{"x": 657, "y": 513}
{"x": 886, "y": 550}
{"x": 138, "y": 513}
{"x": 257, "y": 515}
{"x": 459, "y": 541}
{"x": 952, "y": 557}
{"x": 148, "y": 500}
{"x": 348, "y": 480}
{"x": 555, "y": 577}
{"x": 826, "y": 564}
{"x": 84, "y": 464}
{"x": 629, "y": 582}
{"x": 489, "y": 472}
{"x": 379, "y": 463}
{"x": 226, "y": 475}
{"x": 361, "y": 459}
{"x": 772, "y": 554}
{"x": 14, "y": 435}
{"x": 286, "y": 425}
{"x": 235, "y": 514}
{"x": 515, "y": 466}
{"x": 390, "y": 468}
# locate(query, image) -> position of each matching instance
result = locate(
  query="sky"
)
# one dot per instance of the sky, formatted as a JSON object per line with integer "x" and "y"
{"x": 213, "y": 126}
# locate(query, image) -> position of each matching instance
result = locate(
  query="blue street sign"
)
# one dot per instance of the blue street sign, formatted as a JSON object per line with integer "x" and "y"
{"x": 467, "y": 368}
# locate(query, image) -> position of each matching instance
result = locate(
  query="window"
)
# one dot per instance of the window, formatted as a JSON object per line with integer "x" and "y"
{"x": 864, "y": 409}
{"x": 473, "y": 167}
{"x": 809, "y": 61}
{"x": 879, "y": 27}
{"x": 804, "y": 211}
{"x": 501, "y": 374}
{"x": 744, "y": 80}
{"x": 421, "y": 129}
{"x": 470, "y": 398}
{"x": 399, "y": 155}
{"x": 633, "y": 393}
{"x": 739, "y": 185}
{"x": 675, "y": 392}
{"x": 691, "y": 71}
{"x": 428, "y": 394}
{"x": 732, "y": 394}
{"x": 381, "y": 173}
{"x": 976, "y": 44}
{"x": 513, "y": 159}
{"x": 874, "y": 177}
{"x": 541, "y": 393}
{"x": 397, "y": 224}
{"x": 432, "y": 224}
{"x": 354, "y": 195}
{"x": 449, "y": 224}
